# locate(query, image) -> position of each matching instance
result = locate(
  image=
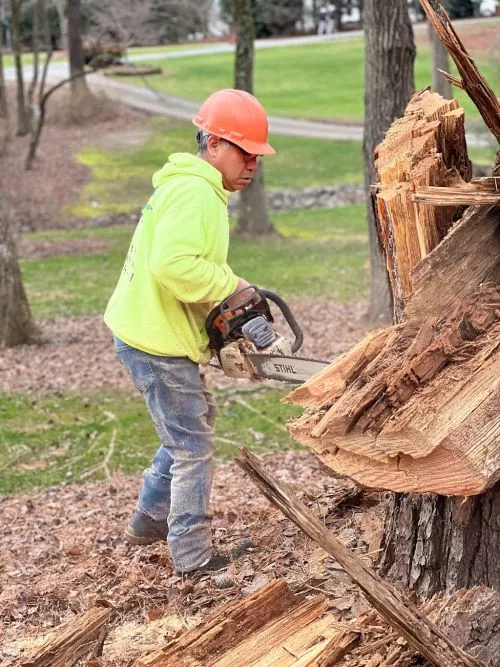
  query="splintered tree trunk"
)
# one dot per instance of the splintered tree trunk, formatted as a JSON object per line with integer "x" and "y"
{"x": 389, "y": 84}
{"x": 415, "y": 408}
{"x": 16, "y": 323}
{"x": 253, "y": 219}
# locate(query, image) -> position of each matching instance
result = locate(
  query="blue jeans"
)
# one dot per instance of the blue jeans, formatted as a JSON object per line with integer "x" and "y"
{"x": 177, "y": 486}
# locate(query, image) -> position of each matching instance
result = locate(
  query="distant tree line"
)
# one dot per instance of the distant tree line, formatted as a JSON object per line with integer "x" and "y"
{"x": 150, "y": 22}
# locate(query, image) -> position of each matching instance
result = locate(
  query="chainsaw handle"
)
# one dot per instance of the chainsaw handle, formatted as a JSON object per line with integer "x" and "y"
{"x": 288, "y": 315}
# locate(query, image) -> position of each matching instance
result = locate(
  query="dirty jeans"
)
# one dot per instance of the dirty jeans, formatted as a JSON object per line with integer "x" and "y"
{"x": 177, "y": 485}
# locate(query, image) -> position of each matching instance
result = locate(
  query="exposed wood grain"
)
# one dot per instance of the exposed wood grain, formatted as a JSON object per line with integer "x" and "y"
{"x": 220, "y": 630}
{"x": 71, "y": 641}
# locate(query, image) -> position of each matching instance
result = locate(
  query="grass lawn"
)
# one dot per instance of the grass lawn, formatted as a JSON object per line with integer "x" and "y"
{"x": 121, "y": 178}
{"x": 322, "y": 251}
{"x": 65, "y": 439}
{"x": 313, "y": 81}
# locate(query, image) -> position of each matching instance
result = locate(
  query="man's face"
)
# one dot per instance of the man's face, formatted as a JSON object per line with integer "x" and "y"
{"x": 236, "y": 165}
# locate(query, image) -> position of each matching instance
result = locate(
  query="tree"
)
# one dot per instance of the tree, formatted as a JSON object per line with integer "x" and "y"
{"x": 270, "y": 18}
{"x": 440, "y": 61}
{"x": 389, "y": 84}
{"x": 60, "y": 6}
{"x": 22, "y": 114}
{"x": 79, "y": 87}
{"x": 3, "y": 91}
{"x": 459, "y": 9}
{"x": 253, "y": 218}
{"x": 16, "y": 323}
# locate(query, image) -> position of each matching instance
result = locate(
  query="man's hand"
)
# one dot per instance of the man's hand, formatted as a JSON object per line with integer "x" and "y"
{"x": 235, "y": 299}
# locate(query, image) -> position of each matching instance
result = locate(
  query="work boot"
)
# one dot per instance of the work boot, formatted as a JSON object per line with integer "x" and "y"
{"x": 219, "y": 561}
{"x": 142, "y": 529}
{"x": 216, "y": 563}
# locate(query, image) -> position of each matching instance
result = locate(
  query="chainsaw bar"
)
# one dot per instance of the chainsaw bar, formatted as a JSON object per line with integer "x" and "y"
{"x": 295, "y": 370}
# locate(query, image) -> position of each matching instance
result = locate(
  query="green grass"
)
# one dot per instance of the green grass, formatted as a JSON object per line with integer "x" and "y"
{"x": 321, "y": 251}
{"x": 314, "y": 81}
{"x": 64, "y": 439}
{"x": 121, "y": 177}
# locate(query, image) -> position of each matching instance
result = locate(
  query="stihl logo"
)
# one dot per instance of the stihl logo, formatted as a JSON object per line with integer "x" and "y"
{"x": 282, "y": 368}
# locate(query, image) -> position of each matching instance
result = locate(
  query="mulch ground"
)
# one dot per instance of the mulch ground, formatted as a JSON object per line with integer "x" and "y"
{"x": 77, "y": 354}
{"x": 62, "y": 552}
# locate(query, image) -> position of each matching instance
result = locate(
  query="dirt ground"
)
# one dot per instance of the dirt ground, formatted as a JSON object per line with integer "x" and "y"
{"x": 36, "y": 198}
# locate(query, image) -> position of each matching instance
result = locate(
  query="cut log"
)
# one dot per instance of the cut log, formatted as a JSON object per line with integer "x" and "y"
{"x": 221, "y": 630}
{"x": 416, "y": 628}
{"x": 70, "y": 641}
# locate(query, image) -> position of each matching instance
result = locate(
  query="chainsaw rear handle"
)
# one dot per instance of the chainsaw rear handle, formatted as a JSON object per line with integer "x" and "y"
{"x": 288, "y": 315}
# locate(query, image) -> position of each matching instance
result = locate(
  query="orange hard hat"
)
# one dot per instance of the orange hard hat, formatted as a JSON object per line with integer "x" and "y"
{"x": 237, "y": 116}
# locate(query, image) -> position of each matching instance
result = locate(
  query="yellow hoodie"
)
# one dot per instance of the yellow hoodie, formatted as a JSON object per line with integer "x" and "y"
{"x": 176, "y": 267}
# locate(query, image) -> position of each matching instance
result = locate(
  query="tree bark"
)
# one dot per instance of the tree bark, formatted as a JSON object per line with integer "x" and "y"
{"x": 16, "y": 323}
{"x": 253, "y": 219}
{"x": 60, "y": 6}
{"x": 438, "y": 544}
{"x": 22, "y": 115}
{"x": 3, "y": 92}
{"x": 440, "y": 61}
{"x": 79, "y": 87}
{"x": 389, "y": 84}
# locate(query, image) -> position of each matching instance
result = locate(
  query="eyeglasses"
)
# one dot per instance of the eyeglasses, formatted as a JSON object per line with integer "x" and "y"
{"x": 248, "y": 157}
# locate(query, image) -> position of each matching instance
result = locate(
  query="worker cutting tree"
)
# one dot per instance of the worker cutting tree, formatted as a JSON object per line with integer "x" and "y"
{"x": 175, "y": 272}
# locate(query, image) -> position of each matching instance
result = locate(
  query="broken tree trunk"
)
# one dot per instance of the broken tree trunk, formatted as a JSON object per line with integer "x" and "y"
{"x": 423, "y": 635}
{"x": 71, "y": 641}
{"x": 416, "y": 407}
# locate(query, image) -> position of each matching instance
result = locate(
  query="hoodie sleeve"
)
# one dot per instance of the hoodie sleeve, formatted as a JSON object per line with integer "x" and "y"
{"x": 177, "y": 260}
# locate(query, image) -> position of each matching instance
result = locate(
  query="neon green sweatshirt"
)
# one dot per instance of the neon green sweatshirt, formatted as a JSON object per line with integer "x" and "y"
{"x": 176, "y": 267}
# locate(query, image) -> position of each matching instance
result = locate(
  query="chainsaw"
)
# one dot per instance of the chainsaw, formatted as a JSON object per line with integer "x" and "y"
{"x": 247, "y": 346}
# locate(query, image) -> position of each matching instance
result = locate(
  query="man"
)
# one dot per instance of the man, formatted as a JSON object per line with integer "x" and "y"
{"x": 175, "y": 271}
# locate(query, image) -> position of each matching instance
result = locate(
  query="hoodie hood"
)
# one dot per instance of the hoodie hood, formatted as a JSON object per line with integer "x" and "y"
{"x": 186, "y": 164}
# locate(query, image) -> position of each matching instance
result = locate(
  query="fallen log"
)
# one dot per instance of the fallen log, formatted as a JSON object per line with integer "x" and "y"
{"x": 71, "y": 640}
{"x": 402, "y": 615}
{"x": 219, "y": 631}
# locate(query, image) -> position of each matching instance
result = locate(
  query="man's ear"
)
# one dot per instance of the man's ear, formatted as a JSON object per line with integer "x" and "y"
{"x": 213, "y": 145}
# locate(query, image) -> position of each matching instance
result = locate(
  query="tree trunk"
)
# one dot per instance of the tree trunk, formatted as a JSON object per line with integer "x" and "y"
{"x": 79, "y": 87}
{"x": 16, "y": 323}
{"x": 3, "y": 92}
{"x": 22, "y": 115}
{"x": 60, "y": 6}
{"x": 439, "y": 544}
{"x": 435, "y": 543}
{"x": 389, "y": 84}
{"x": 253, "y": 219}
{"x": 440, "y": 61}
